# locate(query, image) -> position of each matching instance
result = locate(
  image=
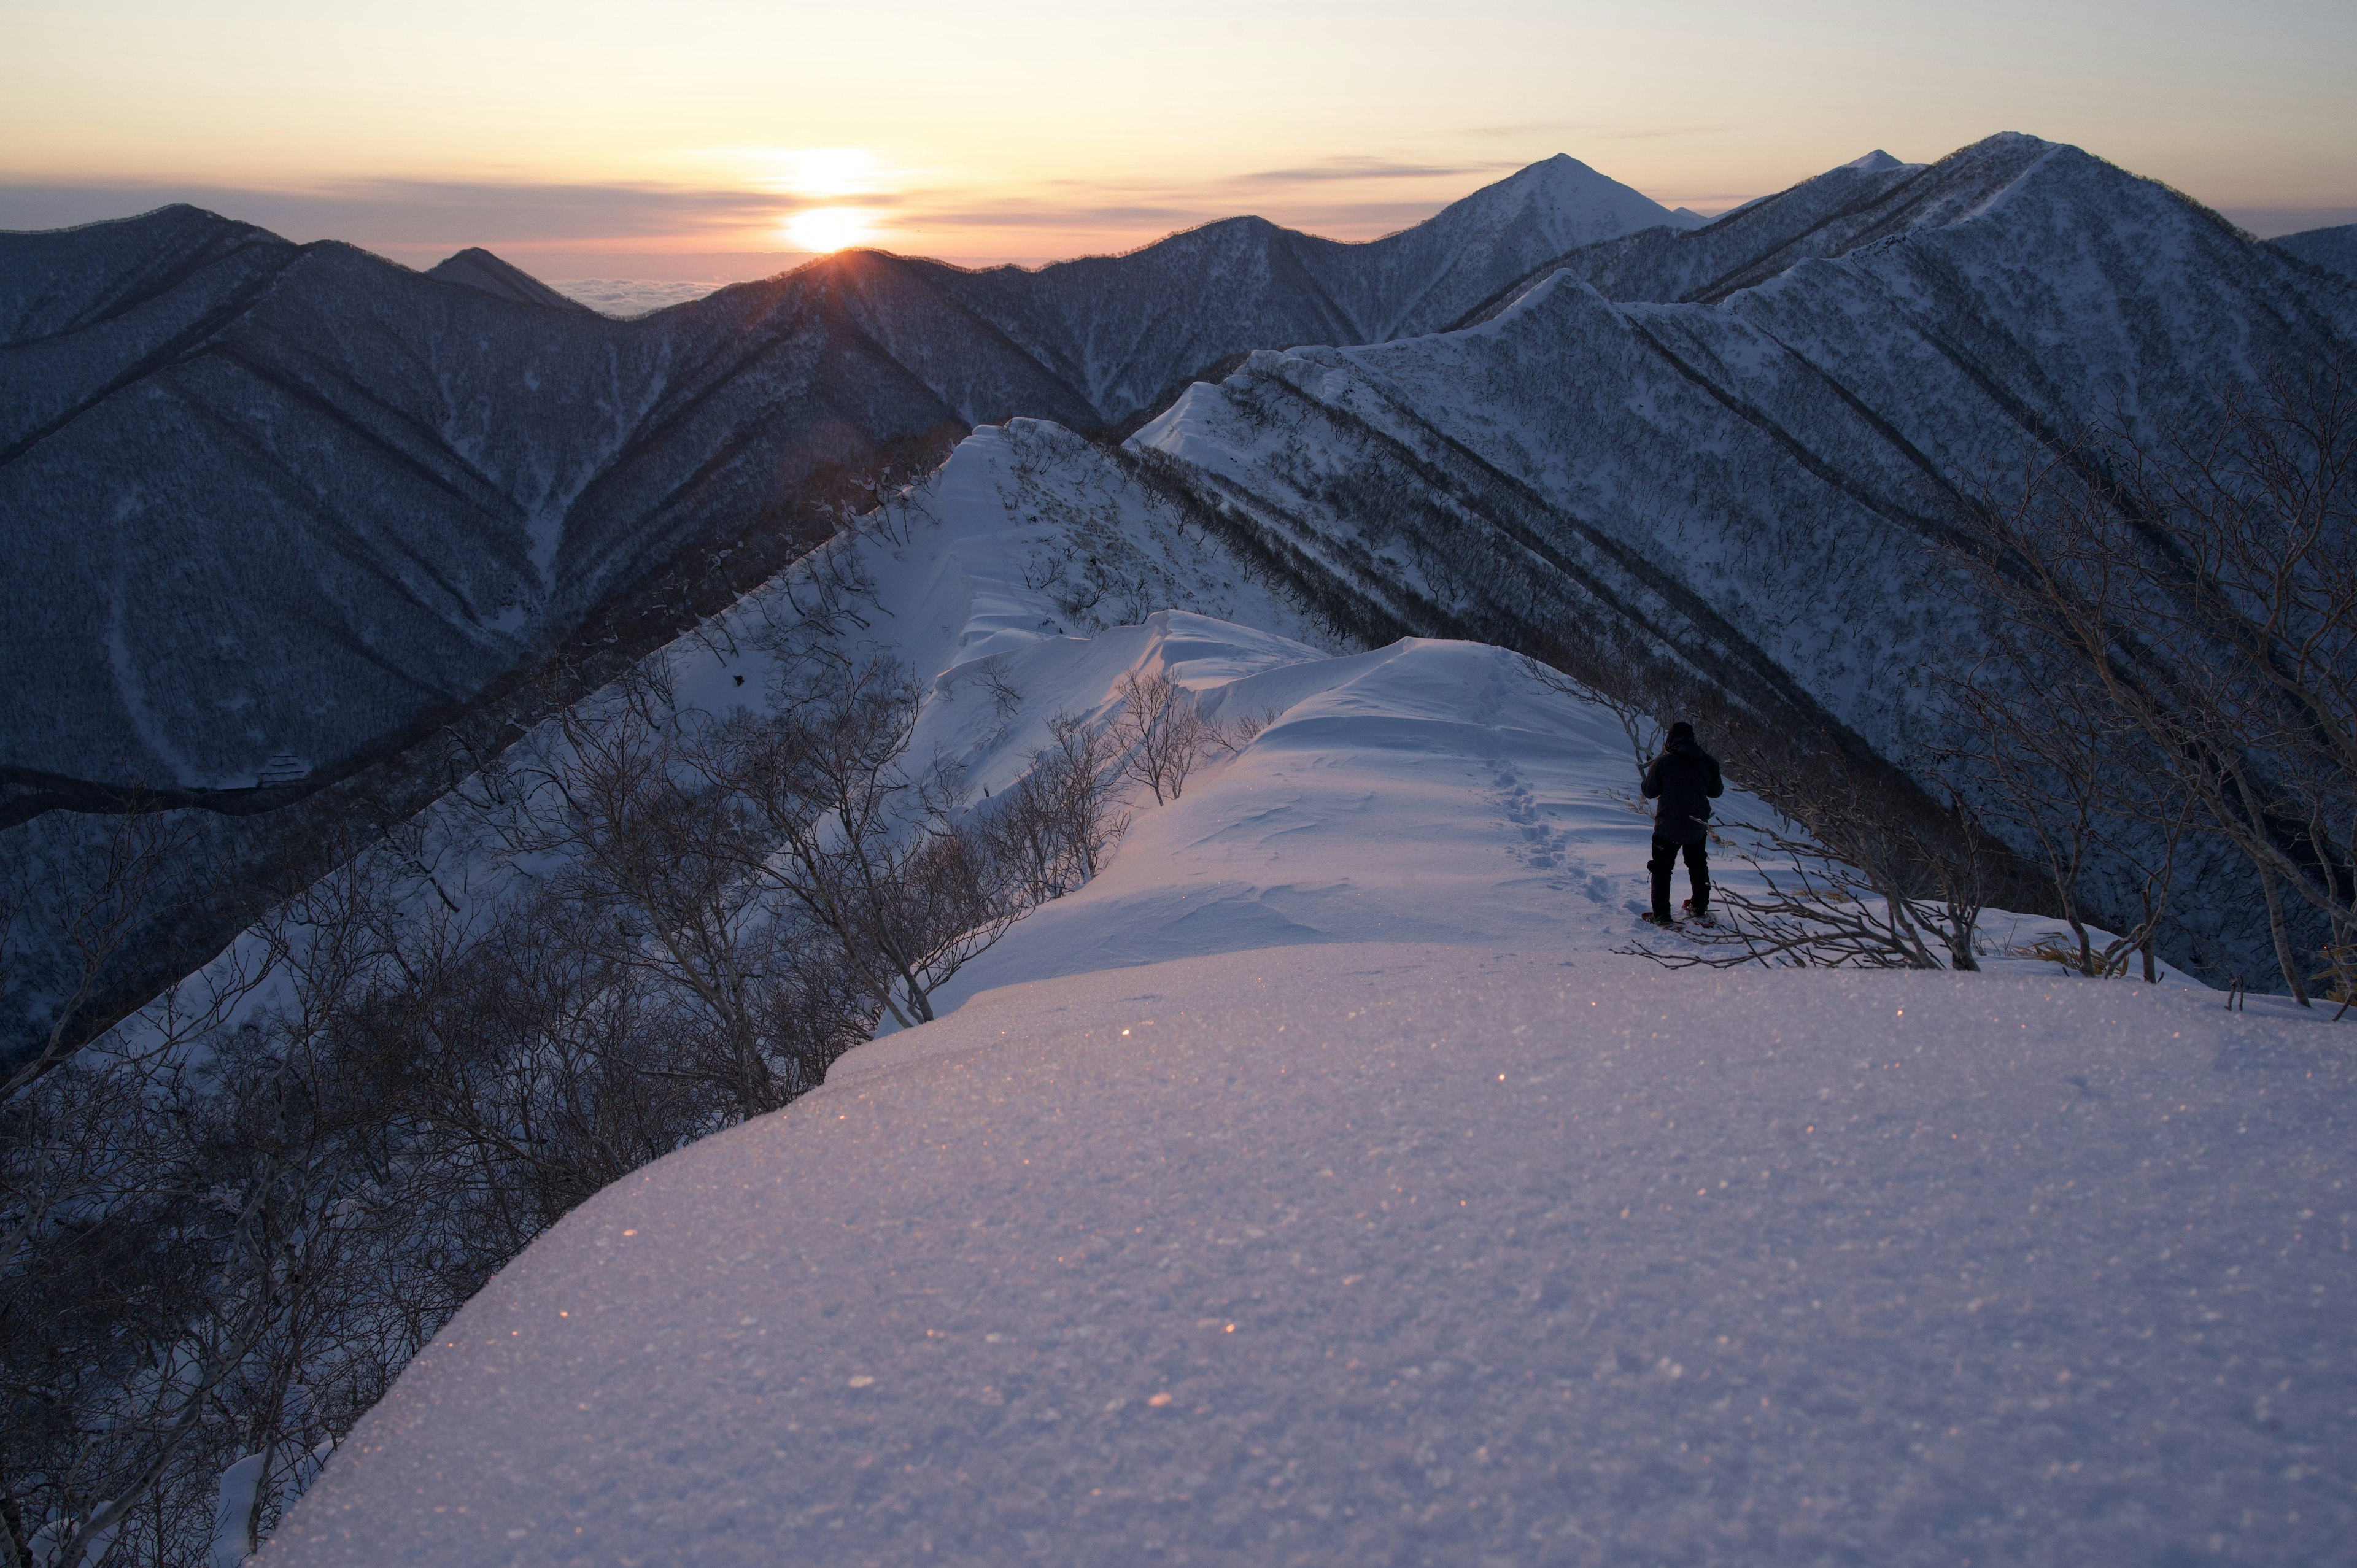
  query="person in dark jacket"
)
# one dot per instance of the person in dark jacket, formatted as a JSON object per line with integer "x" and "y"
{"x": 1685, "y": 780}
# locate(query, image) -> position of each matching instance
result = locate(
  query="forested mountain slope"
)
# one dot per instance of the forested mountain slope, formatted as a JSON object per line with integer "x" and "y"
{"x": 1744, "y": 489}
{"x": 2334, "y": 249}
{"x": 270, "y": 500}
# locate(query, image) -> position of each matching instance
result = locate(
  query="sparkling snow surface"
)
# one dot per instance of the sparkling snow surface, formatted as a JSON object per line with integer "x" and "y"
{"x": 1320, "y": 1186}
{"x": 1416, "y": 1253}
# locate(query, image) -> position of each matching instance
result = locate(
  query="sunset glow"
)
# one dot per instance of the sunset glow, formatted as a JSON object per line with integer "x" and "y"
{"x": 829, "y": 228}
{"x": 1052, "y": 128}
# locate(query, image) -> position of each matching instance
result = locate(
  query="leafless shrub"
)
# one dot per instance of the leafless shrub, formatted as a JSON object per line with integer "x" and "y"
{"x": 876, "y": 851}
{"x": 1820, "y": 912}
{"x": 2058, "y": 775}
{"x": 1161, "y": 732}
{"x": 1052, "y": 829}
{"x": 1234, "y": 733}
{"x": 1849, "y": 883}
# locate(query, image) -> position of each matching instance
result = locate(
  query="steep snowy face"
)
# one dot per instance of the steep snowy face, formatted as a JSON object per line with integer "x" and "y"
{"x": 1852, "y": 205}
{"x": 1749, "y": 485}
{"x": 1423, "y": 279}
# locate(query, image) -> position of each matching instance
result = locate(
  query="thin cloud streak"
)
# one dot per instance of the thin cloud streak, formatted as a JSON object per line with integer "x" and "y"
{"x": 408, "y": 212}
{"x": 1657, "y": 134}
{"x": 1367, "y": 168}
{"x": 1070, "y": 217}
{"x": 456, "y": 212}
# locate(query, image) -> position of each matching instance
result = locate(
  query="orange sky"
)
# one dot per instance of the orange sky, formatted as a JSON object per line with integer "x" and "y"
{"x": 712, "y": 133}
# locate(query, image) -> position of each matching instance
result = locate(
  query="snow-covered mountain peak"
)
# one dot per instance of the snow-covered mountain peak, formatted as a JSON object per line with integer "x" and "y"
{"x": 1570, "y": 203}
{"x": 1876, "y": 162}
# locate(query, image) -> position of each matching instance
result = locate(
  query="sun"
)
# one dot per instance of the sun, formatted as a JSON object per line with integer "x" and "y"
{"x": 830, "y": 228}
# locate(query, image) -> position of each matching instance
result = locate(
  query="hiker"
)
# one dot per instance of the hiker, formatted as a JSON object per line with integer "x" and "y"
{"x": 1685, "y": 780}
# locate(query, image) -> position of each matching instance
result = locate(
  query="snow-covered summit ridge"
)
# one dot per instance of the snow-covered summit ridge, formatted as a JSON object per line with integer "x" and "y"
{"x": 1320, "y": 1172}
{"x": 1877, "y": 162}
{"x": 1570, "y": 202}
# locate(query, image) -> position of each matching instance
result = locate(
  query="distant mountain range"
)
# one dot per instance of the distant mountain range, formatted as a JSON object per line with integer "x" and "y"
{"x": 1733, "y": 451}
{"x": 275, "y": 508}
{"x": 278, "y": 512}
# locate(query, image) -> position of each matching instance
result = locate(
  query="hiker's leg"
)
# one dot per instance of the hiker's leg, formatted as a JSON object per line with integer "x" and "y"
{"x": 1699, "y": 874}
{"x": 1665, "y": 860}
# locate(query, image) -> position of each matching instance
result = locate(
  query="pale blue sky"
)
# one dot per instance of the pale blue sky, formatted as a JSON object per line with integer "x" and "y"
{"x": 1041, "y": 129}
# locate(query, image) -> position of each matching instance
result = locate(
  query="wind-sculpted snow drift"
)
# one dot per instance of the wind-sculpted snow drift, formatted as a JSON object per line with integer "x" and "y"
{"x": 1395, "y": 1254}
{"x": 1319, "y": 1182}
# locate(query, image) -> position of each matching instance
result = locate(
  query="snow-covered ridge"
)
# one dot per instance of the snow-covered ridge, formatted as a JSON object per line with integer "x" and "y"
{"x": 1750, "y": 480}
{"x": 987, "y": 1276}
{"x": 1395, "y": 1254}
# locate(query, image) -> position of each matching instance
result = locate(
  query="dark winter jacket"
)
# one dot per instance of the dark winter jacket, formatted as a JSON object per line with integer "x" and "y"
{"x": 1685, "y": 780}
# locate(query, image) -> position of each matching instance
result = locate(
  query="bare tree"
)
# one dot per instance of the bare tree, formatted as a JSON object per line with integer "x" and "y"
{"x": 105, "y": 909}
{"x": 1052, "y": 829}
{"x": 876, "y": 851}
{"x": 1639, "y": 716}
{"x": 2059, "y": 774}
{"x": 1160, "y": 731}
{"x": 2206, "y": 586}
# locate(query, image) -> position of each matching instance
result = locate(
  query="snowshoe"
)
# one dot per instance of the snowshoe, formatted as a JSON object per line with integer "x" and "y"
{"x": 1653, "y": 919}
{"x": 1704, "y": 918}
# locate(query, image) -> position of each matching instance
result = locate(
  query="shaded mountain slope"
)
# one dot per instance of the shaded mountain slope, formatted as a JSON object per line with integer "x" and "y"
{"x": 300, "y": 496}
{"x": 1751, "y": 489}
{"x": 2334, "y": 249}
{"x": 478, "y": 269}
{"x": 276, "y": 505}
